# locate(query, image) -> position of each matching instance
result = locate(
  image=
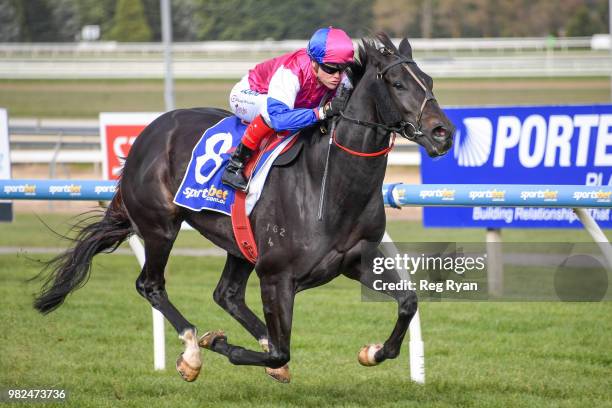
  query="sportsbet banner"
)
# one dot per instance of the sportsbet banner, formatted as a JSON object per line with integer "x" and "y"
{"x": 522, "y": 145}
{"x": 118, "y": 131}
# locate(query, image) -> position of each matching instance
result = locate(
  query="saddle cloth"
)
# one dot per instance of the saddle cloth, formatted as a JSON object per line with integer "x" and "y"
{"x": 202, "y": 189}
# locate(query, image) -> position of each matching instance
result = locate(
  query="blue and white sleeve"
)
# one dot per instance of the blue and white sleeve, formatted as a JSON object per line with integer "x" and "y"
{"x": 282, "y": 92}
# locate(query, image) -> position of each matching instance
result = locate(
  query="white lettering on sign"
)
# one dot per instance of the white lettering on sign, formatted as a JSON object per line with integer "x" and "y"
{"x": 508, "y": 134}
{"x": 584, "y": 123}
{"x": 604, "y": 140}
{"x": 533, "y": 138}
{"x": 560, "y": 132}
{"x": 541, "y": 141}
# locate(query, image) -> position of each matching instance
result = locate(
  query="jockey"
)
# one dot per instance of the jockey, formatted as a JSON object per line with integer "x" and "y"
{"x": 285, "y": 94}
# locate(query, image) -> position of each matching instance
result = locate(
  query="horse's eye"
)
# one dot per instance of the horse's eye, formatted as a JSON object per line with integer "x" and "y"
{"x": 398, "y": 85}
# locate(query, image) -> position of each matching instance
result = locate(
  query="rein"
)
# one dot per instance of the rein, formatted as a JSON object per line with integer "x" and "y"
{"x": 360, "y": 154}
{"x": 402, "y": 126}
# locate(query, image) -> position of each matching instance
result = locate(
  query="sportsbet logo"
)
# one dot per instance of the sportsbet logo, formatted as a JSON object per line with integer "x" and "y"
{"x": 28, "y": 189}
{"x": 600, "y": 196}
{"x": 538, "y": 141}
{"x": 72, "y": 189}
{"x": 546, "y": 195}
{"x": 494, "y": 195}
{"x": 104, "y": 189}
{"x": 212, "y": 193}
{"x": 444, "y": 194}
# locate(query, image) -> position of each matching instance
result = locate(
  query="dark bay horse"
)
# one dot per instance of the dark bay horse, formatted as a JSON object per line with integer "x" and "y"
{"x": 297, "y": 251}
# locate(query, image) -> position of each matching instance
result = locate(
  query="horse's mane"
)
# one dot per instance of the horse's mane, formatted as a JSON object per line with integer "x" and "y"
{"x": 368, "y": 46}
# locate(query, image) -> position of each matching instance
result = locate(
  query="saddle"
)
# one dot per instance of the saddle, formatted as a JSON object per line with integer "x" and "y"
{"x": 288, "y": 156}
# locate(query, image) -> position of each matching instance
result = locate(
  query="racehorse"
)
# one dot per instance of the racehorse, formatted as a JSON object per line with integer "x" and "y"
{"x": 298, "y": 249}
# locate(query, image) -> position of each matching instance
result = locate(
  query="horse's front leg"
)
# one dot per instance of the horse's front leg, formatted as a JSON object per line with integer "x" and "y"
{"x": 230, "y": 295}
{"x": 277, "y": 295}
{"x": 373, "y": 354}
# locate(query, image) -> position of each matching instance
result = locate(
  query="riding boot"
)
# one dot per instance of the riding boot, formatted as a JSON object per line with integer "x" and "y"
{"x": 234, "y": 174}
{"x": 257, "y": 130}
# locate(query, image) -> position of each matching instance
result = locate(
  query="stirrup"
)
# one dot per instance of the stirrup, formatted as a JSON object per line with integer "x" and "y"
{"x": 235, "y": 179}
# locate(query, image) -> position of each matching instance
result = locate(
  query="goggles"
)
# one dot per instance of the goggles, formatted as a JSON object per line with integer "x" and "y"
{"x": 333, "y": 68}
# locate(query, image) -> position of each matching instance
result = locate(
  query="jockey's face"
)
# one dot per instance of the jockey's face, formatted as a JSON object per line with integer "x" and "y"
{"x": 331, "y": 81}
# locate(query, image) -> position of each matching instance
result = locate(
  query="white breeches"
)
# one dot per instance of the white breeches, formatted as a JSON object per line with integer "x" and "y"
{"x": 246, "y": 103}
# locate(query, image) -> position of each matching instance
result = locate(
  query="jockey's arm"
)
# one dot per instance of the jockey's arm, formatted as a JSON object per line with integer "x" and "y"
{"x": 282, "y": 92}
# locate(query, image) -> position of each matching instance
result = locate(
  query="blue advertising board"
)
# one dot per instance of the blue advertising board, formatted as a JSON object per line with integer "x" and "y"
{"x": 545, "y": 145}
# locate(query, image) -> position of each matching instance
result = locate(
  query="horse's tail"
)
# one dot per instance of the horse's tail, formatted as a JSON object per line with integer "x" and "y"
{"x": 70, "y": 270}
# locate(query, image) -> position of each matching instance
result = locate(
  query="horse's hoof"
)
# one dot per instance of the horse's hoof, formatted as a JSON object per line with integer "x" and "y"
{"x": 207, "y": 340}
{"x": 281, "y": 374}
{"x": 187, "y": 372}
{"x": 366, "y": 354}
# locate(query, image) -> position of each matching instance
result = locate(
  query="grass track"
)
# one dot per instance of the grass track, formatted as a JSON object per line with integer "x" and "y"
{"x": 28, "y": 230}
{"x": 98, "y": 345}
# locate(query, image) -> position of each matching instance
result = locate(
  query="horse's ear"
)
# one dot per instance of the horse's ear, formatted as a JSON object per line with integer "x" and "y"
{"x": 405, "y": 49}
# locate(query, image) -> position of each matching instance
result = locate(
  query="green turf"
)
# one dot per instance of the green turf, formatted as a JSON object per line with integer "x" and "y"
{"x": 98, "y": 347}
{"x": 86, "y": 98}
{"x": 39, "y": 230}
{"x": 44, "y": 230}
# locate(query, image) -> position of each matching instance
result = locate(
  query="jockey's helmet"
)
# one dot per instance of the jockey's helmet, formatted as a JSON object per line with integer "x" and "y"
{"x": 331, "y": 46}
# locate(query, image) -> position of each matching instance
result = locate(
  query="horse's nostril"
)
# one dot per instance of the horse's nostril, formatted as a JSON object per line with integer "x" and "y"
{"x": 440, "y": 133}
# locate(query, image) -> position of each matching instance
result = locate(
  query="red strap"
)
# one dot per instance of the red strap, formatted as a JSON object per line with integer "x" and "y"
{"x": 360, "y": 154}
{"x": 242, "y": 228}
{"x": 241, "y": 224}
{"x": 243, "y": 233}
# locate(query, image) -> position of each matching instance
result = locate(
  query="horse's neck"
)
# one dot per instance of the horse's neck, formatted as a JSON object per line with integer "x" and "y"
{"x": 354, "y": 182}
{"x": 370, "y": 170}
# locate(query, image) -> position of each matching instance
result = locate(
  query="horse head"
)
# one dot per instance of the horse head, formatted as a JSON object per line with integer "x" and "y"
{"x": 401, "y": 94}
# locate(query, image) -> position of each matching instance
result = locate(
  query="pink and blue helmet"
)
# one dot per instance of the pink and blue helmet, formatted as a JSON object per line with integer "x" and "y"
{"x": 330, "y": 46}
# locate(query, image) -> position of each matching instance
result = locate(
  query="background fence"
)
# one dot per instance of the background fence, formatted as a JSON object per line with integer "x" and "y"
{"x": 452, "y": 58}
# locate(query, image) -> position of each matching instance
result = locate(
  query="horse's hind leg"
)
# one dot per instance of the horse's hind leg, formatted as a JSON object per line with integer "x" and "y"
{"x": 229, "y": 294}
{"x": 374, "y": 354}
{"x": 150, "y": 284}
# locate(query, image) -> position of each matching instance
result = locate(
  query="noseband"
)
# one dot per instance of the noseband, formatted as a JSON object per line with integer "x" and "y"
{"x": 406, "y": 129}
{"x": 429, "y": 96}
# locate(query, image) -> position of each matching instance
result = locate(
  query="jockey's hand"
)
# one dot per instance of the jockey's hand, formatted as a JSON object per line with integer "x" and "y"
{"x": 336, "y": 105}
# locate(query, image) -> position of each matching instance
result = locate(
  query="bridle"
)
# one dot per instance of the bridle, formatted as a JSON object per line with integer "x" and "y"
{"x": 406, "y": 129}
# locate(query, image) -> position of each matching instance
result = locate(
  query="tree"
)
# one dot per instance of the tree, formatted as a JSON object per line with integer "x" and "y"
{"x": 588, "y": 19}
{"x": 152, "y": 12}
{"x": 185, "y": 20}
{"x": 66, "y": 20}
{"x": 10, "y": 27}
{"x": 130, "y": 23}
{"x": 97, "y": 12}
{"x": 398, "y": 18}
{"x": 37, "y": 23}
